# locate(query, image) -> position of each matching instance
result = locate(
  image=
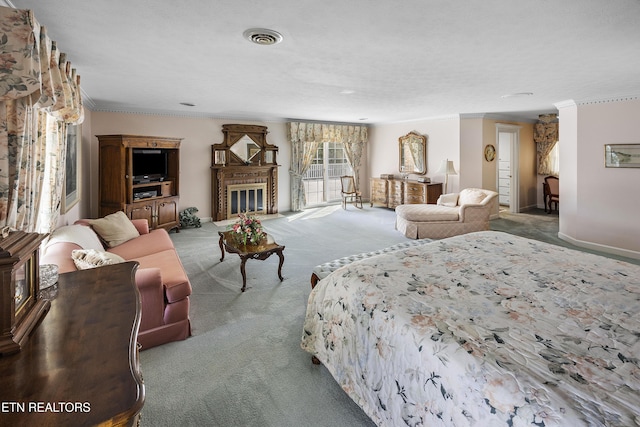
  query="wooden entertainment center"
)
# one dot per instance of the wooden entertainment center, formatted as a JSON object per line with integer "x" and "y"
{"x": 140, "y": 175}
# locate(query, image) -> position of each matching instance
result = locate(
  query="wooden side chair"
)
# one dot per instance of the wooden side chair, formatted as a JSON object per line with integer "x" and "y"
{"x": 349, "y": 192}
{"x": 551, "y": 189}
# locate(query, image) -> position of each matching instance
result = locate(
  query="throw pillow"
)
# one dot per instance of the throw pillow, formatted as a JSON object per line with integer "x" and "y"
{"x": 90, "y": 258}
{"x": 471, "y": 197}
{"x": 115, "y": 229}
{"x": 450, "y": 200}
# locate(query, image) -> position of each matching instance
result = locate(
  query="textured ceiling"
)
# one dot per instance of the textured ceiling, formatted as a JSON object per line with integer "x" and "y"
{"x": 396, "y": 60}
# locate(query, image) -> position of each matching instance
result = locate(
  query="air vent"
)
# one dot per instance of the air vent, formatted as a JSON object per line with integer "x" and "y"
{"x": 262, "y": 36}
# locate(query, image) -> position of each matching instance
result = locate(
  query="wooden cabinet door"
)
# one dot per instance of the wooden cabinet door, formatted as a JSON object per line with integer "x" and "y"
{"x": 141, "y": 210}
{"x": 167, "y": 213}
{"x": 433, "y": 192}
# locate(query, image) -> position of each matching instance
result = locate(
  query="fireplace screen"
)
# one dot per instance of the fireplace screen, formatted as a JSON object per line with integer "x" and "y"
{"x": 247, "y": 198}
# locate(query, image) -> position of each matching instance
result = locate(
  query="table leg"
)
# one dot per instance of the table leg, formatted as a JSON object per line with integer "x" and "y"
{"x": 281, "y": 256}
{"x": 221, "y": 249}
{"x": 244, "y": 274}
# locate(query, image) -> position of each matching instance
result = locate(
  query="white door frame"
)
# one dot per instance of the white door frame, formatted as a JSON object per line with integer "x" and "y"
{"x": 514, "y": 130}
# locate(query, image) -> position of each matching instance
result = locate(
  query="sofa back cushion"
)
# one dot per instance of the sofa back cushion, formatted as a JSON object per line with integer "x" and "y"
{"x": 115, "y": 228}
{"x": 471, "y": 196}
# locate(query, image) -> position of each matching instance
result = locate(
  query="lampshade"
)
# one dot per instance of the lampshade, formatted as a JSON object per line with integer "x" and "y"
{"x": 446, "y": 167}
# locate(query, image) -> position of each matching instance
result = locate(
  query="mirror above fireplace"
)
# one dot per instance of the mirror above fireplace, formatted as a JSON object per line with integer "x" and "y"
{"x": 245, "y": 148}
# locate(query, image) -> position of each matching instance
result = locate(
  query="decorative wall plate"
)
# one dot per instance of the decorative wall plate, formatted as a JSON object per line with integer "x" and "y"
{"x": 489, "y": 153}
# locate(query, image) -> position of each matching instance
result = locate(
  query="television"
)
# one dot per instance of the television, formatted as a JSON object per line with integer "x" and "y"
{"x": 149, "y": 165}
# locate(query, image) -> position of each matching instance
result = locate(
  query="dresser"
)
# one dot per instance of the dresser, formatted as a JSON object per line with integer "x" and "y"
{"x": 393, "y": 192}
{"x": 80, "y": 366}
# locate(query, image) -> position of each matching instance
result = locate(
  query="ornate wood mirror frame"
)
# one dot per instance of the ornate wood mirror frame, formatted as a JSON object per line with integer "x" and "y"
{"x": 244, "y": 145}
{"x": 413, "y": 153}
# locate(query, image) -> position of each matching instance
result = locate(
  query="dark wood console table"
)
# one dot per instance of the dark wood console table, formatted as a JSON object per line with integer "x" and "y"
{"x": 80, "y": 366}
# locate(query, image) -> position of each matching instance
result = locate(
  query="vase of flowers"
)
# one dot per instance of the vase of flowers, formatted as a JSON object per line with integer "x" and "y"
{"x": 248, "y": 230}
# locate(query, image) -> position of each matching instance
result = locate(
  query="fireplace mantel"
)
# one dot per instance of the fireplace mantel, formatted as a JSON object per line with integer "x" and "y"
{"x": 243, "y": 159}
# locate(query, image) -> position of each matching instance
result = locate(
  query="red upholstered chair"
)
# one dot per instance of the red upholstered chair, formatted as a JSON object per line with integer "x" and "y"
{"x": 551, "y": 189}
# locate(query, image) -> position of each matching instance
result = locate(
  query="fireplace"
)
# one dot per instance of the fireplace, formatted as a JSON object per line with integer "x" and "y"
{"x": 244, "y": 173}
{"x": 248, "y": 198}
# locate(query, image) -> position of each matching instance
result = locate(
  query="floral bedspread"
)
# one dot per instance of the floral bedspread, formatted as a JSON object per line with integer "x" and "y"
{"x": 484, "y": 329}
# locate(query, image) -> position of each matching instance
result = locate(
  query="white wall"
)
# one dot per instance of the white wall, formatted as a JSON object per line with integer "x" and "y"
{"x": 599, "y": 206}
{"x": 443, "y": 136}
{"x": 471, "y": 154}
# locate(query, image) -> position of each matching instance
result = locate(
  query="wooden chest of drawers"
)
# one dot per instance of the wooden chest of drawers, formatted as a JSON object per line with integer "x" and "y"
{"x": 393, "y": 192}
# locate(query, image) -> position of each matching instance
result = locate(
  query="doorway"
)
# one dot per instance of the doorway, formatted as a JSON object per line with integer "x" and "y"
{"x": 508, "y": 142}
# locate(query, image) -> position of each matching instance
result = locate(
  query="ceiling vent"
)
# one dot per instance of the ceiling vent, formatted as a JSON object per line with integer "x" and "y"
{"x": 262, "y": 36}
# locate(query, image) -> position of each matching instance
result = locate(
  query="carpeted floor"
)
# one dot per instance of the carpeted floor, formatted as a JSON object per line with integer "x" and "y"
{"x": 243, "y": 366}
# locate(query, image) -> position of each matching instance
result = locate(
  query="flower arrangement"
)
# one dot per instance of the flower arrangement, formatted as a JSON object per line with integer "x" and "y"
{"x": 248, "y": 230}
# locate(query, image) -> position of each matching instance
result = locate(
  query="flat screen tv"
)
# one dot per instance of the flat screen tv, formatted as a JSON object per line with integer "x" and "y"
{"x": 149, "y": 165}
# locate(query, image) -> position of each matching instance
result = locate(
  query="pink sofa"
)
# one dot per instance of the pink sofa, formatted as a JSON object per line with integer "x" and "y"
{"x": 163, "y": 284}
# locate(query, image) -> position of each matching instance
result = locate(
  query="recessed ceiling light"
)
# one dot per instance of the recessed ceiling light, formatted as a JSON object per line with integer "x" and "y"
{"x": 517, "y": 95}
{"x": 347, "y": 91}
{"x": 262, "y": 36}
{"x": 187, "y": 104}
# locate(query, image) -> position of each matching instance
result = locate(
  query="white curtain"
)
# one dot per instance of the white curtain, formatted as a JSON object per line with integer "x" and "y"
{"x": 304, "y": 139}
{"x": 39, "y": 95}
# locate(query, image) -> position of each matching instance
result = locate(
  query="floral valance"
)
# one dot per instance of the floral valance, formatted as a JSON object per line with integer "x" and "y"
{"x": 326, "y": 132}
{"x": 33, "y": 70}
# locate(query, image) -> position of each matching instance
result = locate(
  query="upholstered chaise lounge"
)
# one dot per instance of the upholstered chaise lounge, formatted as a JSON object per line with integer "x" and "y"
{"x": 454, "y": 214}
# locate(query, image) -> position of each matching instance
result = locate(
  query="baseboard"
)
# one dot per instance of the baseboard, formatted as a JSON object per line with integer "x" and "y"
{"x": 601, "y": 248}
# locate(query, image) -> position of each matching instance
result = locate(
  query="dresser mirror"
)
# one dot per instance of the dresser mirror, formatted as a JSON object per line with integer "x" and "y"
{"x": 245, "y": 148}
{"x": 413, "y": 153}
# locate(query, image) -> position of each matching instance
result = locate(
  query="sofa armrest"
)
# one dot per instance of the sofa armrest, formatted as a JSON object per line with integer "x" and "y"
{"x": 473, "y": 212}
{"x": 149, "y": 283}
{"x": 60, "y": 254}
{"x": 142, "y": 225}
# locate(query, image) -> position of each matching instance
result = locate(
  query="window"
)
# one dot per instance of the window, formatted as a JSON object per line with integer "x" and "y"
{"x": 322, "y": 180}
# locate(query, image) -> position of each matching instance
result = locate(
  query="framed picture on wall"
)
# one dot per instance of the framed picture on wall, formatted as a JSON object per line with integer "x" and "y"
{"x": 71, "y": 186}
{"x": 622, "y": 155}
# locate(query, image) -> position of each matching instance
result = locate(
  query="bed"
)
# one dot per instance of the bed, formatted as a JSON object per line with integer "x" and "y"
{"x": 483, "y": 329}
